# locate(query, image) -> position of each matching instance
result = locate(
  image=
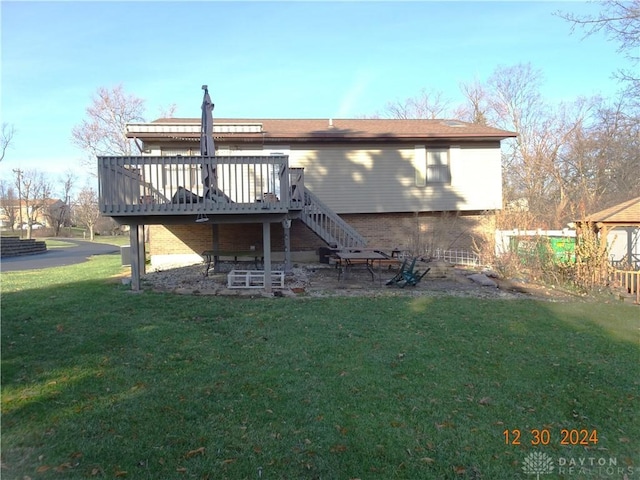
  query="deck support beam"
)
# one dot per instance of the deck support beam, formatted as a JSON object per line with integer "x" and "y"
{"x": 266, "y": 249}
{"x": 286, "y": 225}
{"x": 136, "y": 242}
{"x": 142, "y": 237}
{"x": 215, "y": 235}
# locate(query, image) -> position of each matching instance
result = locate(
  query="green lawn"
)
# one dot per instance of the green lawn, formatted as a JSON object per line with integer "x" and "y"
{"x": 57, "y": 243}
{"x": 63, "y": 242}
{"x": 98, "y": 381}
{"x": 118, "y": 240}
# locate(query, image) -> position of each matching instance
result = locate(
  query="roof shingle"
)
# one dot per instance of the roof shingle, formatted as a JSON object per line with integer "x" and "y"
{"x": 623, "y": 213}
{"x": 347, "y": 129}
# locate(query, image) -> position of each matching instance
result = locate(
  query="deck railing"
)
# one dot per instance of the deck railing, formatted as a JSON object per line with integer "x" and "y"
{"x": 328, "y": 225}
{"x": 628, "y": 280}
{"x": 192, "y": 184}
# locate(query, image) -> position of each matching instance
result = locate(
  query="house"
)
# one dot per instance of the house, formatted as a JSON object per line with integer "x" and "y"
{"x": 36, "y": 212}
{"x": 311, "y": 183}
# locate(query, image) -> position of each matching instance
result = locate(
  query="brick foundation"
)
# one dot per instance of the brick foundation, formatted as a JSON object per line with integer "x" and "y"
{"x": 418, "y": 233}
{"x": 423, "y": 232}
{"x": 180, "y": 239}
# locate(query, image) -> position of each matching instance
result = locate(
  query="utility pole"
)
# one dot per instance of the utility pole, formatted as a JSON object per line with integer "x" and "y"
{"x": 18, "y": 174}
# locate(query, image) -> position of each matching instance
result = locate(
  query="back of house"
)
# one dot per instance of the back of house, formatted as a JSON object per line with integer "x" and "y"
{"x": 415, "y": 185}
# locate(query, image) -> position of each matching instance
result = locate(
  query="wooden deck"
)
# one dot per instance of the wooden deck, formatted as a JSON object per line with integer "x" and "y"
{"x": 190, "y": 185}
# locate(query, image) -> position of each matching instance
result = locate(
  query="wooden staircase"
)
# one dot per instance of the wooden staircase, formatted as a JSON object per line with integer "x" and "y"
{"x": 14, "y": 247}
{"x": 328, "y": 225}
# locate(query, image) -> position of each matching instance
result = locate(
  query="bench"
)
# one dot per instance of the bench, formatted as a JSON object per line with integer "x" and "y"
{"x": 214, "y": 256}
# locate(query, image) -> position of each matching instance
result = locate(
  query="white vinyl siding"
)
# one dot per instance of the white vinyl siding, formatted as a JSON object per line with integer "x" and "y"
{"x": 378, "y": 179}
{"x": 374, "y": 178}
{"x": 420, "y": 163}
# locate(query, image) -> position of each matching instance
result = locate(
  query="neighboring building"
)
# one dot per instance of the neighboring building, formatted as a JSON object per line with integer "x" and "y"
{"x": 407, "y": 184}
{"x": 37, "y": 211}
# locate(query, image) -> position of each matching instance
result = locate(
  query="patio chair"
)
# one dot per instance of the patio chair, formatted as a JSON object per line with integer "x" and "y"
{"x": 407, "y": 275}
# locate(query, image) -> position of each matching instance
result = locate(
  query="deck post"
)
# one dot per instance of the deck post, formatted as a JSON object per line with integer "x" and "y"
{"x": 266, "y": 248}
{"x": 215, "y": 234}
{"x": 286, "y": 225}
{"x": 134, "y": 243}
{"x": 142, "y": 258}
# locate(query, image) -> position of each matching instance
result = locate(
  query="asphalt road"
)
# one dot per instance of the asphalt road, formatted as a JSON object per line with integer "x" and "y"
{"x": 58, "y": 257}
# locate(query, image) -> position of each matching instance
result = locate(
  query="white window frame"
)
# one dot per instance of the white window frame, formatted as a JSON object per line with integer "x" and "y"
{"x": 189, "y": 173}
{"x": 273, "y": 174}
{"x": 433, "y": 166}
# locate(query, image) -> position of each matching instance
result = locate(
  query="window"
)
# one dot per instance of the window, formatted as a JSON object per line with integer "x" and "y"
{"x": 274, "y": 170}
{"x": 180, "y": 174}
{"x": 432, "y": 166}
{"x": 438, "y": 166}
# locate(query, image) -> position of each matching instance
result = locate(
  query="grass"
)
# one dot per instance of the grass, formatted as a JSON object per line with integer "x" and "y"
{"x": 118, "y": 240}
{"x": 101, "y": 382}
{"x": 56, "y": 243}
{"x": 73, "y": 233}
{"x": 62, "y": 242}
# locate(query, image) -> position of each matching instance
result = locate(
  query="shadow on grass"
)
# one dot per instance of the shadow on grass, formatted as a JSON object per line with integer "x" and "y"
{"x": 100, "y": 381}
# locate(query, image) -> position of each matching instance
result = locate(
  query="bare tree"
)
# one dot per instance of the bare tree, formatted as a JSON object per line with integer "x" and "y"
{"x": 476, "y": 107}
{"x": 58, "y": 213}
{"x": 602, "y": 161}
{"x": 566, "y": 122}
{"x": 86, "y": 211}
{"x": 620, "y": 22}
{"x": 167, "y": 112}
{"x": 5, "y": 139}
{"x": 515, "y": 104}
{"x": 107, "y": 226}
{"x": 534, "y": 167}
{"x": 9, "y": 203}
{"x": 605, "y": 157}
{"x": 428, "y": 105}
{"x": 102, "y": 132}
{"x": 33, "y": 191}
{"x": 18, "y": 183}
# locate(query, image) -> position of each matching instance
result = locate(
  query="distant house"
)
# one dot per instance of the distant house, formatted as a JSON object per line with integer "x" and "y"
{"x": 37, "y": 212}
{"x": 407, "y": 184}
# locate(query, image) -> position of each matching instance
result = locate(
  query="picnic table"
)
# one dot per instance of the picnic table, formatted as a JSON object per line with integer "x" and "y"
{"x": 367, "y": 258}
{"x": 213, "y": 256}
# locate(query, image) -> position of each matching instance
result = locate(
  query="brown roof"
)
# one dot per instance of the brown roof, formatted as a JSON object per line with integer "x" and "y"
{"x": 624, "y": 213}
{"x": 343, "y": 129}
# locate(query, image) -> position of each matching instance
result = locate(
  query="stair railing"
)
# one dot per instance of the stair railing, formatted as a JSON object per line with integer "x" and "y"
{"x": 328, "y": 225}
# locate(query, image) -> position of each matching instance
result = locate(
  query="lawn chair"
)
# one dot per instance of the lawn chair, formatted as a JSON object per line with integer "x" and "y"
{"x": 407, "y": 275}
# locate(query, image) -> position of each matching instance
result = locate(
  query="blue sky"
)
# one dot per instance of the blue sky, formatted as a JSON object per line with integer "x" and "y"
{"x": 271, "y": 59}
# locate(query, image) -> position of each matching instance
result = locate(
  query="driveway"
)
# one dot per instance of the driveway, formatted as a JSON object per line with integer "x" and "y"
{"x": 58, "y": 257}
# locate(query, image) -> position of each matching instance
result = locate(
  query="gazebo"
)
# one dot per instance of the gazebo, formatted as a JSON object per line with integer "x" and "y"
{"x": 623, "y": 216}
